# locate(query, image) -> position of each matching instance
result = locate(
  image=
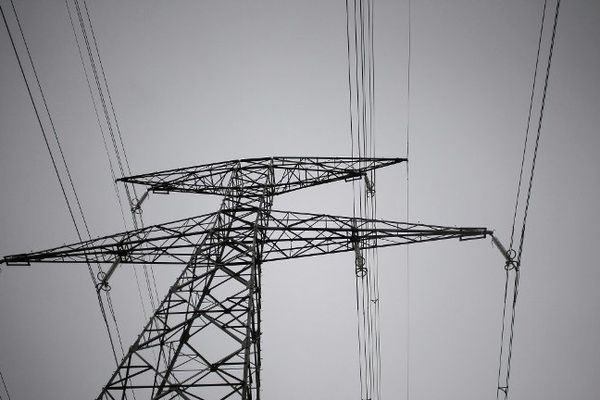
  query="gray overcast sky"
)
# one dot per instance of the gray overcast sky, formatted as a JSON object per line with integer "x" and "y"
{"x": 202, "y": 81}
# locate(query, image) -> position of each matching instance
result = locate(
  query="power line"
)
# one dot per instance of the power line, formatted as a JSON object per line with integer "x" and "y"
{"x": 108, "y": 157}
{"x": 349, "y": 81}
{"x": 361, "y": 87}
{"x": 37, "y": 114}
{"x": 100, "y": 76}
{"x": 408, "y": 70}
{"x": 107, "y": 88}
{"x": 518, "y": 194}
{"x": 503, "y": 381}
{"x": 55, "y": 167}
{"x": 5, "y": 386}
{"x": 62, "y": 155}
{"x": 529, "y": 113}
{"x": 539, "y": 130}
{"x": 50, "y": 119}
{"x": 124, "y": 168}
{"x": 110, "y": 164}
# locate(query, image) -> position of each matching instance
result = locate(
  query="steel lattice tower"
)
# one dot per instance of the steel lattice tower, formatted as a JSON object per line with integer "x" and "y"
{"x": 203, "y": 340}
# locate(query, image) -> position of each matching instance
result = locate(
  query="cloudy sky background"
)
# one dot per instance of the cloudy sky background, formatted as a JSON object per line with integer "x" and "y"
{"x": 203, "y": 81}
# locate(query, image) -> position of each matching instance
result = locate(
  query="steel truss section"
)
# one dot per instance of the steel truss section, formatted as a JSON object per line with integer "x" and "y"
{"x": 288, "y": 173}
{"x": 203, "y": 341}
{"x": 287, "y": 234}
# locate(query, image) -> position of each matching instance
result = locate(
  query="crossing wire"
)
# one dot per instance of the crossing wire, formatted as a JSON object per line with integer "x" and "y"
{"x": 81, "y": 58}
{"x": 361, "y": 86}
{"x": 518, "y": 195}
{"x": 408, "y": 80}
{"x": 68, "y": 171}
{"x": 529, "y": 113}
{"x": 44, "y": 134}
{"x": 39, "y": 120}
{"x": 50, "y": 119}
{"x": 99, "y": 77}
{"x": 123, "y": 163}
{"x": 5, "y": 386}
{"x": 124, "y": 168}
{"x": 539, "y": 130}
{"x": 527, "y": 201}
{"x": 110, "y": 163}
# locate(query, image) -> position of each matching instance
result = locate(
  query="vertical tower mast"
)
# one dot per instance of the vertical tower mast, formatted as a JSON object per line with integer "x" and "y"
{"x": 215, "y": 300}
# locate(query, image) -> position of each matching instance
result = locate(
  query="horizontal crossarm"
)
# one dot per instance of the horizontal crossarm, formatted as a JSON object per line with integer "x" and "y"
{"x": 290, "y": 173}
{"x": 287, "y": 235}
{"x": 171, "y": 243}
{"x": 294, "y": 235}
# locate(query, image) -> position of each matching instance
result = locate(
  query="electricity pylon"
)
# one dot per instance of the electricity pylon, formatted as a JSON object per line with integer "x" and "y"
{"x": 203, "y": 341}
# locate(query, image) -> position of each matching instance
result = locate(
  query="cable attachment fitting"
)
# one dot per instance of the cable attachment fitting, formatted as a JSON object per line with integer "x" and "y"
{"x": 509, "y": 255}
{"x": 103, "y": 282}
{"x": 104, "y": 277}
{"x": 136, "y": 207}
{"x": 359, "y": 261}
{"x": 369, "y": 186}
{"x": 511, "y": 262}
